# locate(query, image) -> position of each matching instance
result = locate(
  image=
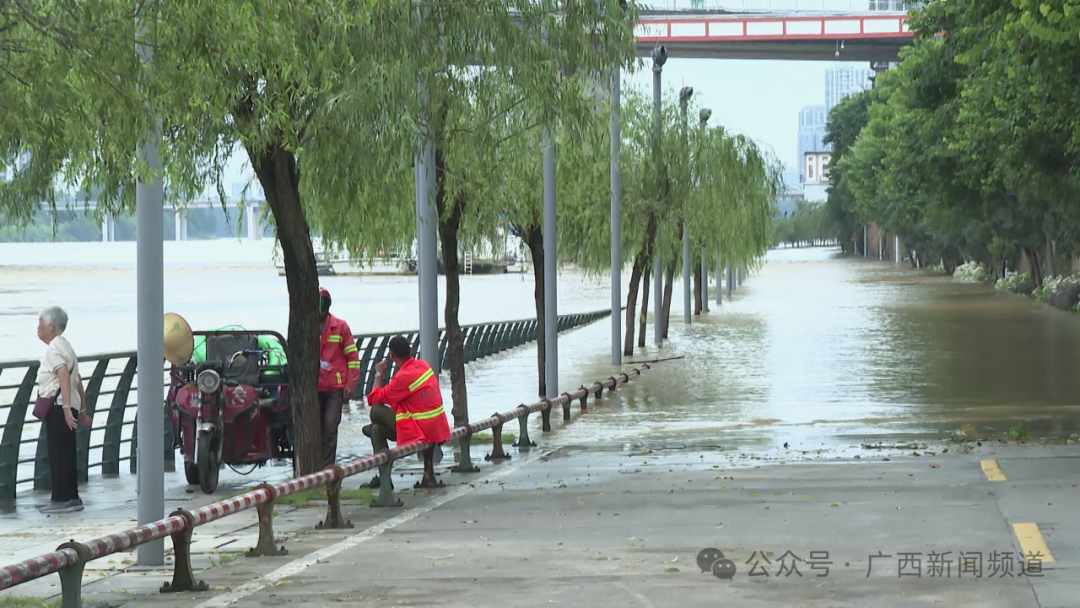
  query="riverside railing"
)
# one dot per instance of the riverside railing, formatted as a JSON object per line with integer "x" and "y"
{"x": 111, "y": 392}
{"x": 70, "y": 558}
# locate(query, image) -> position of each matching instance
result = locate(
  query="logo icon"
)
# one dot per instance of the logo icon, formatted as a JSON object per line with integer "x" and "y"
{"x": 712, "y": 560}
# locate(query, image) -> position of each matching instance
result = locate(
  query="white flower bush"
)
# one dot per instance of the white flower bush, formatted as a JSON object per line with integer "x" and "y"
{"x": 1052, "y": 284}
{"x": 1013, "y": 280}
{"x": 971, "y": 272}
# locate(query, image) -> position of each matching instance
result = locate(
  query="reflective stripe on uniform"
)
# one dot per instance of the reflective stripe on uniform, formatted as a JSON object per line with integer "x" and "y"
{"x": 333, "y": 338}
{"x": 404, "y": 416}
{"x": 354, "y": 365}
{"x": 338, "y": 374}
{"x": 349, "y": 349}
{"x": 421, "y": 380}
{"x": 428, "y": 414}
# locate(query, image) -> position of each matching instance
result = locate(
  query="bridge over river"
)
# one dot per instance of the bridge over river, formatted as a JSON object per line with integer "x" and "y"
{"x": 839, "y": 417}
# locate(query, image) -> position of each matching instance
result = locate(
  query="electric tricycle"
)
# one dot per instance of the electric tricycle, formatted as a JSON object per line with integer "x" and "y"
{"x": 229, "y": 403}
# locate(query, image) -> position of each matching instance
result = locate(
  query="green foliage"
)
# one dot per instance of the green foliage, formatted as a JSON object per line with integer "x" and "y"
{"x": 807, "y": 224}
{"x": 970, "y": 147}
{"x": 841, "y": 218}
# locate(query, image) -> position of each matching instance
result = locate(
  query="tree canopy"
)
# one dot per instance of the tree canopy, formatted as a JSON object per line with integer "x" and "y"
{"x": 970, "y": 147}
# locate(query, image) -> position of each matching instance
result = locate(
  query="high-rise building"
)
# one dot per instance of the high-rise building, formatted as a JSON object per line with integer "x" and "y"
{"x": 811, "y": 134}
{"x": 844, "y": 80}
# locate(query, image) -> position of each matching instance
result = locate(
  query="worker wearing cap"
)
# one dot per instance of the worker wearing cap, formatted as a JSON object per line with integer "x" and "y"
{"x": 339, "y": 372}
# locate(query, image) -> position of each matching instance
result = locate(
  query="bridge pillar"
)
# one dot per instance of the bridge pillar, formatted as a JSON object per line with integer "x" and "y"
{"x": 108, "y": 229}
{"x": 253, "y": 225}
{"x": 180, "y": 233}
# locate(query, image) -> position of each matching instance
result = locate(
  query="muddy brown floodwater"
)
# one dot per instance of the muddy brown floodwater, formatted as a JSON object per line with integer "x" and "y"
{"x": 823, "y": 350}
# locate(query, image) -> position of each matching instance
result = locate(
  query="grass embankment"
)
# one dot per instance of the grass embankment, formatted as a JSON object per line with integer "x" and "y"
{"x": 302, "y": 499}
{"x": 487, "y": 437}
{"x": 19, "y": 601}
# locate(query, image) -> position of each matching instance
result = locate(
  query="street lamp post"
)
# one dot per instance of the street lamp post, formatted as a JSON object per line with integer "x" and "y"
{"x": 616, "y": 220}
{"x": 703, "y": 119}
{"x": 659, "y": 57}
{"x": 684, "y": 100}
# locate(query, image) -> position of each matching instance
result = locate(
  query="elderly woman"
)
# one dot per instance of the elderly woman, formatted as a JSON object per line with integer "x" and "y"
{"x": 59, "y": 406}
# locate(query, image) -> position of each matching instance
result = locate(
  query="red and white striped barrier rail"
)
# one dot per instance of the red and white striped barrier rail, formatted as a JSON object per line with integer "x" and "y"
{"x": 70, "y": 558}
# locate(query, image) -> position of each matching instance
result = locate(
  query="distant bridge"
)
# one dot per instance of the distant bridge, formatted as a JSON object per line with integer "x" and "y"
{"x": 821, "y": 30}
{"x": 253, "y": 208}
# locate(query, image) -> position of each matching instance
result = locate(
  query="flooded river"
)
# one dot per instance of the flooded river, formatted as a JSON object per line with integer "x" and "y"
{"x": 815, "y": 348}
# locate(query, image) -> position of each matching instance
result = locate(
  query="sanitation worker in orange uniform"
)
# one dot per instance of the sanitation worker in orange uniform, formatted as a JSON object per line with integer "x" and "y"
{"x": 339, "y": 371}
{"x": 408, "y": 409}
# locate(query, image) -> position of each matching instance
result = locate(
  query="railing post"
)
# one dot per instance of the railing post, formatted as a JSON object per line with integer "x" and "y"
{"x": 497, "y": 451}
{"x": 444, "y": 355}
{"x": 333, "y": 504}
{"x": 9, "y": 445}
{"x": 365, "y": 363}
{"x": 378, "y": 357}
{"x": 266, "y": 545}
{"x": 42, "y": 473}
{"x": 133, "y": 460}
{"x": 584, "y": 399}
{"x": 465, "y": 464}
{"x": 614, "y": 383}
{"x": 566, "y": 407}
{"x": 545, "y": 416}
{"x": 82, "y": 434}
{"x": 110, "y": 449}
{"x": 71, "y": 577}
{"x": 386, "y": 489}
{"x": 523, "y": 442}
{"x": 167, "y": 439}
{"x": 183, "y": 575}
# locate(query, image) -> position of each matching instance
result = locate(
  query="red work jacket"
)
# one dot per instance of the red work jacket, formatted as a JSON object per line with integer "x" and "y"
{"x": 414, "y": 394}
{"x": 339, "y": 363}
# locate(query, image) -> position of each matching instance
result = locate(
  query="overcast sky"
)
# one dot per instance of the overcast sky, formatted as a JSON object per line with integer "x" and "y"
{"x": 759, "y": 98}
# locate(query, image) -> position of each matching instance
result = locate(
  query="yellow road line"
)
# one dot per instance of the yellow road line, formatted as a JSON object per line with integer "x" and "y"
{"x": 992, "y": 470}
{"x": 1031, "y": 541}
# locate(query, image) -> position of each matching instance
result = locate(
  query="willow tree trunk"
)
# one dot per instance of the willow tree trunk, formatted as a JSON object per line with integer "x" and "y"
{"x": 534, "y": 238}
{"x": 631, "y": 306}
{"x": 644, "y": 306}
{"x": 1036, "y": 265}
{"x": 279, "y": 177}
{"x": 449, "y": 223}
{"x": 697, "y": 288}
{"x": 669, "y": 284}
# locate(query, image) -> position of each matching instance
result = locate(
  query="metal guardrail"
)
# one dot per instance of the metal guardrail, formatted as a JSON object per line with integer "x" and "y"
{"x": 23, "y": 459}
{"x": 69, "y": 559}
{"x": 784, "y": 6}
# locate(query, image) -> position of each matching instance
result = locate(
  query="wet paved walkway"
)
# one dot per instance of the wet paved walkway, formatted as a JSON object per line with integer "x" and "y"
{"x": 584, "y": 527}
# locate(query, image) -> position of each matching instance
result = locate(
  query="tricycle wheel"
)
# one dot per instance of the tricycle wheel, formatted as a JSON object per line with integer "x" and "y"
{"x": 191, "y": 472}
{"x": 207, "y": 463}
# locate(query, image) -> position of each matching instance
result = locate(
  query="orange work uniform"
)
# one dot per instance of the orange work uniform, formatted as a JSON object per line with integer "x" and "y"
{"x": 414, "y": 394}
{"x": 339, "y": 361}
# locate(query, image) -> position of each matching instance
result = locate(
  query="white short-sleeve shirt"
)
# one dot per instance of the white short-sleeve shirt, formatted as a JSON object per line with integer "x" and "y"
{"x": 59, "y": 353}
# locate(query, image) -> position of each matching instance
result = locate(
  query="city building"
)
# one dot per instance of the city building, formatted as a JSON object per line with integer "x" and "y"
{"x": 843, "y": 80}
{"x": 811, "y": 135}
{"x": 816, "y": 169}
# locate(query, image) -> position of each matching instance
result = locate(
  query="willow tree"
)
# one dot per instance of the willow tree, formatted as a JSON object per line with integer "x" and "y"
{"x": 723, "y": 187}
{"x": 502, "y": 55}
{"x": 284, "y": 83}
{"x": 582, "y": 163}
